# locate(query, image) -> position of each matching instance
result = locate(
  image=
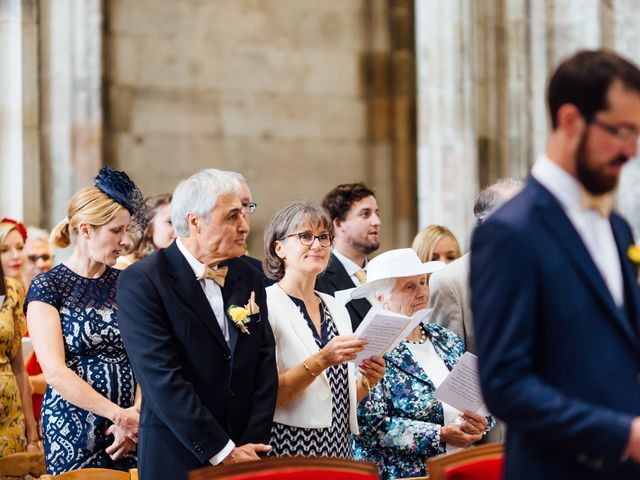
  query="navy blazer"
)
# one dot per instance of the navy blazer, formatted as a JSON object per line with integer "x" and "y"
{"x": 336, "y": 278}
{"x": 559, "y": 361}
{"x": 197, "y": 391}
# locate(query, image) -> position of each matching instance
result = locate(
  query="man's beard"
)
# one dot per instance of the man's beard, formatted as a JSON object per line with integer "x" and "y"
{"x": 593, "y": 180}
{"x": 365, "y": 247}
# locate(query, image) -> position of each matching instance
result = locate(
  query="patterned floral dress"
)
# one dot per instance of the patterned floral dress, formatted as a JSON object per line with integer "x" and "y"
{"x": 400, "y": 420}
{"x": 74, "y": 438}
{"x": 335, "y": 441}
{"x": 12, "y": 327}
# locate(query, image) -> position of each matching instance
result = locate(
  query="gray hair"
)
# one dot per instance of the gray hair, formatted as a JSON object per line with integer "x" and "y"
{"x": 35, "y": 234}
{"x": 283, "y": 223}
{"x": 236, "y": 175}
{"x": 198, "y": 195}
{"x": 494, "y": 196}
{"x": 381, "y": 288}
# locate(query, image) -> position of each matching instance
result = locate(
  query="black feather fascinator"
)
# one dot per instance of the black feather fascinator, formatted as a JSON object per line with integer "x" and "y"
{"x": 119, "y": 187}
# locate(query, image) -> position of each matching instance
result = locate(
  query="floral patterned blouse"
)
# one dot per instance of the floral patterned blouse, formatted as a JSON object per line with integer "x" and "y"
{"x": 12, "y": 328}
{"x": 401, "y": 418}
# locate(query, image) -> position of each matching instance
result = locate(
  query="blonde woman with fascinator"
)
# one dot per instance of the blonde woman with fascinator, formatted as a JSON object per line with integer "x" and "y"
{"x": 89, "y": 411}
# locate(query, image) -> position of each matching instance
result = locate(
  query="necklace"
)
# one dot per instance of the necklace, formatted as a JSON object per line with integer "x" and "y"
{"x": 423, "y": 337}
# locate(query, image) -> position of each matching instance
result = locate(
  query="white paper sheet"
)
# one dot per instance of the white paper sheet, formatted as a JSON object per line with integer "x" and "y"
{"x": 461, "y": 388}
{"x": 384, "y": 330}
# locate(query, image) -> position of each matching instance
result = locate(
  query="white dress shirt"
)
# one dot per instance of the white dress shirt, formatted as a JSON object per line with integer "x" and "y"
{"x": 350, "y": 266}
{"x": 594, "y": 230}
{"x": 213, "y": 292}
{"x": 211, "y": 289}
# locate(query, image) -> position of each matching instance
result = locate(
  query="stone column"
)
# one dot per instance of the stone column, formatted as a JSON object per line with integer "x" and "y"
{"x": 447, "y": 156}
{"x": 71, "y": 87}
{"x": 19, "y": 143}
{"x": 624, "y": 38}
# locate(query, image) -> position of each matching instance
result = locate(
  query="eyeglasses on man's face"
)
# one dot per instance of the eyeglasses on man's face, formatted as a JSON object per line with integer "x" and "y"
{"x": 249, "y": 207}
{"x": 624, "y": 134}
{"x": 307, "y": 238}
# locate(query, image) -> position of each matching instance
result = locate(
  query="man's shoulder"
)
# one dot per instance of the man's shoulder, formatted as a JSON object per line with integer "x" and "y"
{"x": 522, "y": 212}
{"x": 243, "y": 269}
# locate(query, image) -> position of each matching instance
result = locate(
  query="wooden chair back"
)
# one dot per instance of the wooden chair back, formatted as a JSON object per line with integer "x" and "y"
{"x": 291, "y": 468}
{"x": 22, "y": 464}
{"x": 456, "y": 465}
{"x": 94, "y": 474}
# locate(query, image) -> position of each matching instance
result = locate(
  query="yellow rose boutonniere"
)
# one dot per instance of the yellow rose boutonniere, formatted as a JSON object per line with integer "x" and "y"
{"x": 240, "y": 317}
{"x": 634, "y": 254}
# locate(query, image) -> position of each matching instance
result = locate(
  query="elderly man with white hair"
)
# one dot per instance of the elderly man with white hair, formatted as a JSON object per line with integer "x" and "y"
{"x": 402, "y": 422}
{"x": 194, "y": 322}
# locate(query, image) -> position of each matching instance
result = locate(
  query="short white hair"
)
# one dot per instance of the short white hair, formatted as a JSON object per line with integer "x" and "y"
{"x": 238, "y": 176}
{"x": 35, "y": 234}
{"x": 198, "y": 195}
{"x": 381, "y": 288}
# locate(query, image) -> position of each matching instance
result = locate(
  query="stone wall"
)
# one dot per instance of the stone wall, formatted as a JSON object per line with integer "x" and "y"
{"x": 482, "y": 73}
{"x": 272, "y": 89}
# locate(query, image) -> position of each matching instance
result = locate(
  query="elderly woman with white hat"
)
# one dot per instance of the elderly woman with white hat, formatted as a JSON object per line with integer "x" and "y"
{"x": 401, "y": 422}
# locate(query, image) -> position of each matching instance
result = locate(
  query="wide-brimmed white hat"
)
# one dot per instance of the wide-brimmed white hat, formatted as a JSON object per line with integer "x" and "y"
{"x": 401, "y": 262}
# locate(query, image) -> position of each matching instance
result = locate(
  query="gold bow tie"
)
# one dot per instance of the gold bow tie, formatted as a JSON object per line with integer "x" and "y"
{"x": 217, "y": 274}
{"x": 361, "y": 275}
{"x": 602, "y": 204}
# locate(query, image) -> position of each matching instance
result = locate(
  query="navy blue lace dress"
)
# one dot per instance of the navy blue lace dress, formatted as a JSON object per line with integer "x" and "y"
{"x": 74, "y": 438}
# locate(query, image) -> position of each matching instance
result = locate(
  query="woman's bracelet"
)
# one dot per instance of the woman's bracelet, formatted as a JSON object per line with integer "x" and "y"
{"x": 314, "y": 375}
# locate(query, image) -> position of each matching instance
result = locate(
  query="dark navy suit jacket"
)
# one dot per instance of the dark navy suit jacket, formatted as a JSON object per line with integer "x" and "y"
{"x": 197, "y": 391}
{"x": 559, "y": 361}
{"x": 336, "y": 278}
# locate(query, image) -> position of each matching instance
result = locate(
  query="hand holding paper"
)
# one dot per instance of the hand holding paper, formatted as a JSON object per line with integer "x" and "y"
{"x": 461, "y": 388}
{"x": 384, "y": 330}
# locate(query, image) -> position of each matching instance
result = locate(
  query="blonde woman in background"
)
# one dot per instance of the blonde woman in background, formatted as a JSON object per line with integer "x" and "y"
{"x": 436, "y": 243}
{"x": 89, "y": 414}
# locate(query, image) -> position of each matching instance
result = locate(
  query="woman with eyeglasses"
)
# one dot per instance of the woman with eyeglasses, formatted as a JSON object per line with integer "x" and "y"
{"x": 318, "y": 392}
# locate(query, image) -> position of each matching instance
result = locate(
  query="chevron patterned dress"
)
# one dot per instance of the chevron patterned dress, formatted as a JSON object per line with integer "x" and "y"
{"x": 334, "y": 441}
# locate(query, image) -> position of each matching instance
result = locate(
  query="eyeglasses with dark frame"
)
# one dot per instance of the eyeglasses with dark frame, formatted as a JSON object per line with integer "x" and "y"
{"x": 307, "y": 238}
{"x": 625, "y": 134}
{"x": 250, "y": 207}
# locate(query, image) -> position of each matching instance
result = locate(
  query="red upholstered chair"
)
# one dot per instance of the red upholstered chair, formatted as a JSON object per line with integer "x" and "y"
{"x": 291, "y": 468}
{"x": 475, "y": 463}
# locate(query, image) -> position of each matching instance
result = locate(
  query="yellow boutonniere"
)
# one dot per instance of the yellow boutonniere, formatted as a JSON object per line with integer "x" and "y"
{"x": 240, "y": 315}
{"x": 634, "y": 254}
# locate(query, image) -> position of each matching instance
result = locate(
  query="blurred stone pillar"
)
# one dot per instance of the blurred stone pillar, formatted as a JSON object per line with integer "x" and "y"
{"x": 72, "y": 96}
{"x": 447, "y": 158}
{"x": 20, "y": 186}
